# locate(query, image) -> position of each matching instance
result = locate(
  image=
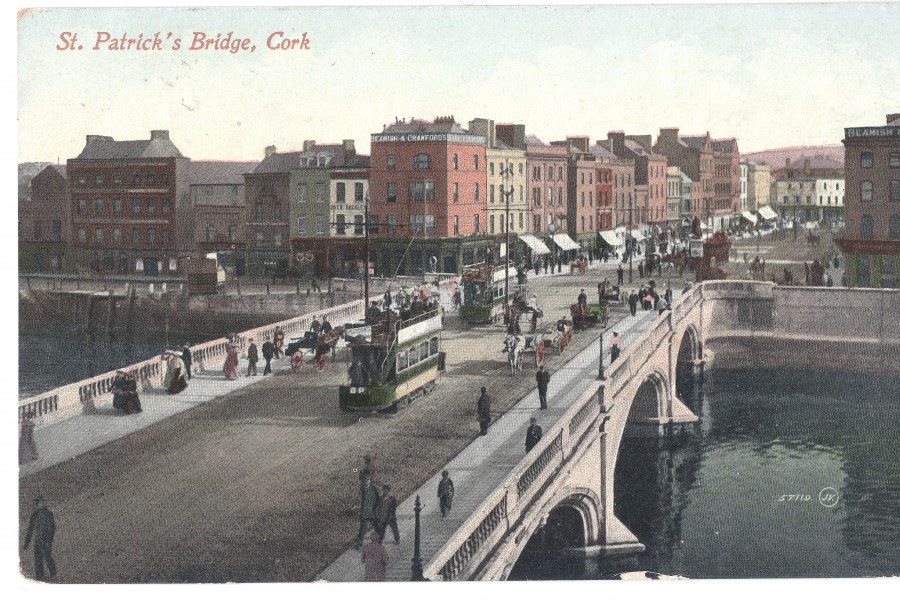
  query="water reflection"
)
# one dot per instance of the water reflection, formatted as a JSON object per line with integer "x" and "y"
{"x": 740, "y": 496}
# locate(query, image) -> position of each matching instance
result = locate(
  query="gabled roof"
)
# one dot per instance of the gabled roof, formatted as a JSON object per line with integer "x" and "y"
{"x": 532, "y": 139}
{"x": 601, "y": 152}
{"x": 636, "y": 148}
{"x": 60, "y": 169}
{"x": 723, "y": 145}
{"x": 220, "y": 172}
{"x": 695, "y": 142}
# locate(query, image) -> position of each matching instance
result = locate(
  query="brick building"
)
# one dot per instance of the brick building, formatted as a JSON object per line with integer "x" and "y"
{"x": 428, "y": 187}
{"x": 44, "y": 221}
{"x": 871, "y": 236}
{"x": 219, "y": 211}
{"x": 130, "y": 206}
{"x": 693, "y": 155}
{"x": 622, "y": 187}
{"x": 581, "y": 202}
{"x": 649, "y": 207}
{"x": 546, "y": 169}
{"x": 726, "y": 183}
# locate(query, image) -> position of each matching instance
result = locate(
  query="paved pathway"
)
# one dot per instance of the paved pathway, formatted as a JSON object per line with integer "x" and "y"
{"x": 482, "y": 466}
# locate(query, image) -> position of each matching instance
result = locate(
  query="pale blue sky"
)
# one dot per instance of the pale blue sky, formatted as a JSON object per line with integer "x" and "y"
{"x": 770, "y": 75}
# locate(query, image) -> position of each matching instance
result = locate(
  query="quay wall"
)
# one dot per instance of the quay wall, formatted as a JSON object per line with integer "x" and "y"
{"x": 853, "y": 330}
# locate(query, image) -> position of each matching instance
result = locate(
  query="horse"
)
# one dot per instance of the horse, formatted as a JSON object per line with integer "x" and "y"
{"x": 513, "y": 350}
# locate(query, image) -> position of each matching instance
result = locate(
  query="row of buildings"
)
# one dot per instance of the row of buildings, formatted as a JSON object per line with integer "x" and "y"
{"x": 434, "y": 193}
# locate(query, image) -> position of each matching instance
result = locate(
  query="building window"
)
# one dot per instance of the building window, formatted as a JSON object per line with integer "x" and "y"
{"x": 259, "y": 212}
{"x": 37, "y": 230}
{"x": 477, "y": 192}
{"x": 98, "y": 205}
{"x": 456, "y": 225}
{"x": 391, "y": 192}
{"x": 358, "y": 224}
{"x": 373, "y": 223}
{"x": 490, "y": 224}
{"x": 232, "y": 233}
{"x": 417, "y": 191}
{"x": 391, "y": 161}
{"x": 151, "y": 205}
{"x": 521, "y": 168}
{"x": 416, "y": 223}
{"x": 164, "y": 235}
{"x": 98, "y": 234}
{"x": 165, "y": 205}
{"x": 117, "y": 235}
{"x": 358, "y": 192}
{"x": 894, "y": 160}
{"x": 149, "y": 178}
{"x": 164, "y": 178}
{"x": 151, "y": 235}
{"x": 341, "y": 192}
{"x": 521, "y": 193}
{"x": 117, "y": 205}
{"x": 866, "y": 226}
{"x": 866, "y": 159}
{"x": 550, "y": 173}
{"x": 521, "y": 221}
{"x": 56, "y": 232}
{"x": 392, "y": 223}
{"x": 135, "y": 205}
{"x": 276, "y": 212}
{"x": 301, "y": 225}
{"x": 341, "y": 227}
{"x": 320, "y": 193}
{"x": 455, "y": 192}
{"x": 475, "y": 160}
{"x": 259, "y": 239}
{"x": 549, "y": 197}
{"x": 455, "y": 161}
{"x": 491, "y": 192}
{"x": 429, "y": 190}
{"x": 323, "y": 161}
{"x": 82, "y": 206}
{"x": 320, "y": 224}
{"x": 491, "y": 167}
{"x": 422, "y": 161}
{"x": 536, "y": 194}
{"x": 117, "y": 179}
{"x": 301, "y": 193}
{"x": 537, "y": 223}
{"x": 210, "y": 234}
{"x": 135, "y": 235}
{"x": 477, "y": 223}
{"x": 278, "y": 239}
{"x": 82, "y": 235}
{"x": 894, "y": 227}
{"x": 866, "y": 190}
{"x": 136, "y": 178}
{"x": 895, "y": 191}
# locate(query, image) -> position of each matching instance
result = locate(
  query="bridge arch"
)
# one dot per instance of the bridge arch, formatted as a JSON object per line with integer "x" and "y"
{"x": 571, "y": 519}
{"x": 689, "y": 351}
{"x": 650, "y": 399}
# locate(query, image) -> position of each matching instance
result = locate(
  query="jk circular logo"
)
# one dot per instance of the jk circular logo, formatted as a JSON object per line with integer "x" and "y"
{"x": 828, "y": 497}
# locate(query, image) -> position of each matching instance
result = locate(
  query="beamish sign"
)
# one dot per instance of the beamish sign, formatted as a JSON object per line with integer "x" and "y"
{"x": 873, "y": 132}
{"x": 426, "y": 137}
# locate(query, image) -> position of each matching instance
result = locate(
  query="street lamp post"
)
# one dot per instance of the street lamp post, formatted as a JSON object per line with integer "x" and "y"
{"x": 417, "y": 558}
{"x": 506, "y": 173}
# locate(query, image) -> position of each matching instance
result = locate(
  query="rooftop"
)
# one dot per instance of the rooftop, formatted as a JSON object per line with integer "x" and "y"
{"x": 220, "y": 172}
{"x": 107, "y": 148}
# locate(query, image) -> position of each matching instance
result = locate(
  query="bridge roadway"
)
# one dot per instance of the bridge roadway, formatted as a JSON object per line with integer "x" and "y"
{"x": 483, "y": 465}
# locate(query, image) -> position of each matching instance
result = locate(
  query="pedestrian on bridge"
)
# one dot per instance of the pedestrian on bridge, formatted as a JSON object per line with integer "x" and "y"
{"x": 375, "y": 557}
{"x": 188, "y": 359}
{"x": 620, "y": 275}
{"x": 484, "y": 411}
{"x": 368, "y": 510}
{"x": 543, "y": 381}
{"x": 387, "y": 515}
{"x": 445, "y": 493}
{"x": 252, "y": 358}
{"x": 43, "y": 526}
{"x": 268, "y": 351}
{"x": 633, "y": 303}
{"x": 27, "y": 447}
{"x": 533, "y": 435}
{"x": 615, "y": 347}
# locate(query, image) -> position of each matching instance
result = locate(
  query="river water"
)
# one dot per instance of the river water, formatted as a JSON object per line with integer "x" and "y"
{"x": 740, "y": 496}
{"x": 46, "y": 363}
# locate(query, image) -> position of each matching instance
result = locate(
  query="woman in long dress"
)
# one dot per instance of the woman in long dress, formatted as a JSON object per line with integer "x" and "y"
{"x": 125, "y": 395}
{"x": 177, "y": 368}
{"x": 231, "y": 362}
{"x": 170, "y": 369}
{"x": 27, "y": 447}
{"x": 278, "y": 341}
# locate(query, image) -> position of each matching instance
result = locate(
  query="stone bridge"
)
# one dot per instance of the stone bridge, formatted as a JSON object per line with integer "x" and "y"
{"x": 568, "y": 479}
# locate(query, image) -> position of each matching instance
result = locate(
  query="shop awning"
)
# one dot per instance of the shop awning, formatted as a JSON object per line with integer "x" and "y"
{"x": 535, "y": 244}
{"x": 767, "y": 213}
{"x": 610, "y": 238}
{"x": 749, "y": 217}
{"x": 636, "y": 234}
{"x": 565, "y": 243}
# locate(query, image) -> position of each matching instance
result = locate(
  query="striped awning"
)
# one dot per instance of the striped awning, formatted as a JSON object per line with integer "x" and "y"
{"x": 535, "y": 244}
{"x": 565, "y": 243}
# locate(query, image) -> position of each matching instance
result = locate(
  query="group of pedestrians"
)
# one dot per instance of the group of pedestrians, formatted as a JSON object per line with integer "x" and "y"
{"x": 378, "y": 511}
{"x": 649, "y": 299}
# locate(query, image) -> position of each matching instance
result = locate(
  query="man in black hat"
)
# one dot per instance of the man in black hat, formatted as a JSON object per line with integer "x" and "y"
{"x": 43, "y": 527}
{"x": 484, "y": 411}
{"x": 533, "y": 435}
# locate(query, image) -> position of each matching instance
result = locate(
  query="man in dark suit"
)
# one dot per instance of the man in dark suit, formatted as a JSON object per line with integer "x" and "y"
{"x": 543, "y": 380}
{"x": 533, "y": 435}
{"x": 484, "y": 411}
{"x": 43, "y": 526}
{"x": 268, "y": 351}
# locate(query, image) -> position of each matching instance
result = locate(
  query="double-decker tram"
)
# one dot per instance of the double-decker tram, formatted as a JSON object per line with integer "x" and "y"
{"x": 484, "y": 290}
{"x": 398, "y": 362}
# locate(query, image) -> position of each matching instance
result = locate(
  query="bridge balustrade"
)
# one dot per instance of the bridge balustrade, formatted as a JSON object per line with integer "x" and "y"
{"x": 494, "y": 517}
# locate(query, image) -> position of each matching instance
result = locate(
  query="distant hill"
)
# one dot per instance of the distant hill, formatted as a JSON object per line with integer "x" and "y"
{"x": 825, "y": 156}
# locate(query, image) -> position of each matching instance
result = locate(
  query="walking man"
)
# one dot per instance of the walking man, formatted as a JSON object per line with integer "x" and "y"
{"x": 268, "y": 351}
{"x": 620, "y": 274}
{"x": 641, "y": 269}
{"x": 368, "y": 509}
{"x": 484, "y": 411}
{"x": 43, "y": 527}
{"x": 533, "y": 435}
{"x": 543, "y": 380}
{"x": 387, "y": 515}
{"x": 187, "y": 359}
{"x": 632, "y": 303}
{"x": 445, "y": 493}
{"x": 252, "y": 358}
